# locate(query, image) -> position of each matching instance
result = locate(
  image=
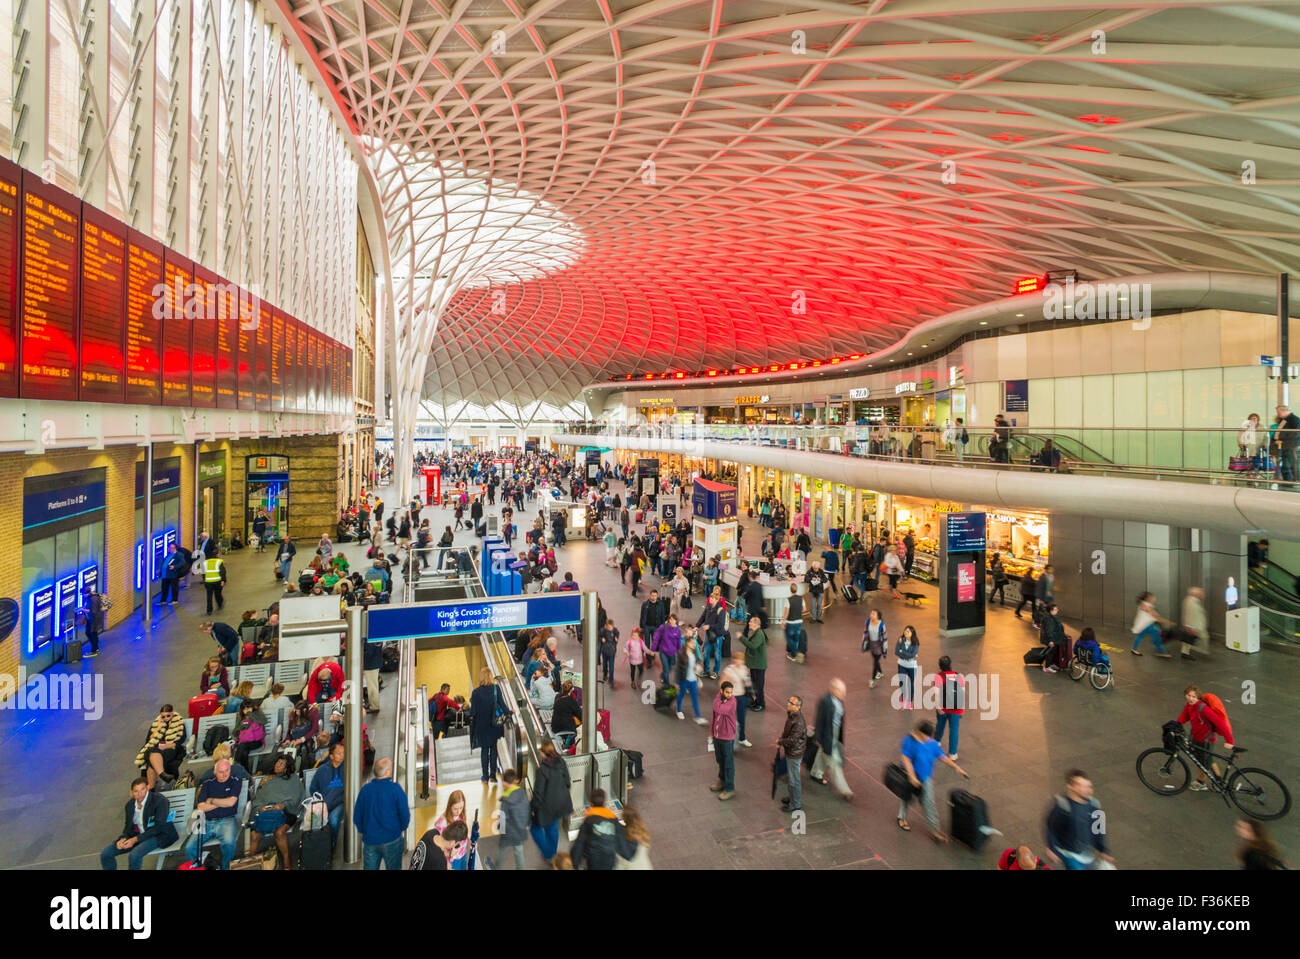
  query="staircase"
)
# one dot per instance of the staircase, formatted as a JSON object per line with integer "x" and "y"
{"x": 454, "y": 763}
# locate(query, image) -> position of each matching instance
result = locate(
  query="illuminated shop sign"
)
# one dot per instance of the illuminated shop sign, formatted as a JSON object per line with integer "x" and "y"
{"x": 859, "y": 394}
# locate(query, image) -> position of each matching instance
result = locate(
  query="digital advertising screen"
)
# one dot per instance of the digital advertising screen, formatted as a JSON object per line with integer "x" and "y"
{"x": 10, "y": 187}
{"x": 203, "y": 350}
{"x": 103, "y": 307}
{"x": 178, "y": 327}
{"x": 227, "y": 358}
{"x": 50, "y": 271}
{"x": 144, "y": 276}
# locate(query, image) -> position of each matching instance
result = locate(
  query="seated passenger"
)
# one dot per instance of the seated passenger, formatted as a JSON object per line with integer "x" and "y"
{"x": 275, "y": 809}
{"x": 326, "y": 683}
{"x": 218, "y": 800}
{"x": 214, "y": 678}
{"x": 328, "y": 781}
{"x": 567, "y": 713}
{"x": 539, "y": 661}
{"x": 1087, "y": 649}
{"x": 144, "y": 829}
{"x": 223, "y": 751}
{"x": 250, "y": 731}
{"x": 236, "y": 699}
{"x": 542, "y": 692}
{"x": 301, "y": 726}
{"x": 164, "y": 747}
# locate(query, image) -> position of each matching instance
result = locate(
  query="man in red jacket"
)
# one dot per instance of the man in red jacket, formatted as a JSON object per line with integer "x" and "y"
{"x": 1208, "y": 717}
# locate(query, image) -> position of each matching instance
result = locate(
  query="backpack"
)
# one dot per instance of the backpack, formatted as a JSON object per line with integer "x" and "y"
{"x": 954, "y": 693}
{"x": 1215, "y": 703}
{"x": 214, "y": 737}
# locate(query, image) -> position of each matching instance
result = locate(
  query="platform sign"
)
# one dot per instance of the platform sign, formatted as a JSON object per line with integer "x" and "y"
{"x": 461, "y": 617}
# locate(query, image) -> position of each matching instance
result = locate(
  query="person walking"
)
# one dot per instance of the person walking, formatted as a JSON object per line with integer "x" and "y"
{"x": 999, "y": 580}
{"x": 287, "y": 552}
{"x": 952, "y": 703}
{"x": 514, "y": 817}
{"x": 829, "y": 726}
{"x": 816, "y": 580}
{"x": 876, "y": 641}
{"x": 905, "y": 651}
{"x": 796, "y": 643}
{"x": 665, "y": 643}
{"x": 1028, "y": 592}
{"x": 723, "y": 733}
{"x": 755, "y": 642}
{"x": 1046, "y": 590}
{"x": 552, "y": 801}
{"x": 920, "y": 754}
{"x": 742, "y": 685}
{"x": 1075, "y": 834}
{"x": 609, "y": 637}
{"x": 1287, "y": 437}
{"x": 713, "y": 623}
{"x": 1195, "y": 629}
{"x": 214, "y": 578}
{"x": 893, "y": 568}
{"x": 687, "y": 675}
{"x": 486, "y": 712}
{"x": 792, "y": 742}
{"x": 381, "y": 814}
{"x": 1148, "y": 622}
{"x": 635, "y": 654}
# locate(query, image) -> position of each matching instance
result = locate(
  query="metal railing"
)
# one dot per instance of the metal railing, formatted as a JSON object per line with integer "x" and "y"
{"x": 1192, "y": 454}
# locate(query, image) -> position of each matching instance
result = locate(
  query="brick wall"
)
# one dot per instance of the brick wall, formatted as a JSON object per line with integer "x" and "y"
{"x": 315, "y": 472}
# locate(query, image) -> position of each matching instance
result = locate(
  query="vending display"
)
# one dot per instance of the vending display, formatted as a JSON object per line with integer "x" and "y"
{"x": 51, "y": 234}
{"x": 92, "y": 310}
{"x": 103, "y": 308}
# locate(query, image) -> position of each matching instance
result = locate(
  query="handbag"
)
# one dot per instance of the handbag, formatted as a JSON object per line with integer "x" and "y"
{"x": 896, "y": 781}
{"x": 686, "y": 602}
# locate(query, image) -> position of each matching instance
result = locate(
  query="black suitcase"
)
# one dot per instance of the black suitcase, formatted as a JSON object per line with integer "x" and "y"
{"x": 810, "y": 753}
{"x": 314, "y": 849}
{"x": 635, "y": 764}
{"x": 872, "y": 584}
{"x": 850, "y": 594}
{"x": 969, "y": 817}
{"x": 1036, "y": 656}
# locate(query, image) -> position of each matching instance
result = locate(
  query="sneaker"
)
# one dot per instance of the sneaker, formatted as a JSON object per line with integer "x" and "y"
{"x": 716, "y": 787}
{"x": 1198, "y": 787}
{"x": 789, "y": 657}
{"x": 873, "y": 684}
{"x": 1049, "y": 669}
{"x": 701, "y": 721}
{"x": 746, "y": 743}
{"x": 1135, "y": 652}
{"x": 681, "y": 715}
{"x": 800, "y": 658}
{"x": 726, "y": 794}
{"x": 89, "y": 655}
{"x": 1163, "y": 656}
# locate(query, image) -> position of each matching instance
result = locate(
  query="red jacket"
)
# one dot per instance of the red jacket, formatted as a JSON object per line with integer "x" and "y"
{"x": 336, "y": 682}
{"x": 1206, "y": 721}
{"x": 1008, "y": 861}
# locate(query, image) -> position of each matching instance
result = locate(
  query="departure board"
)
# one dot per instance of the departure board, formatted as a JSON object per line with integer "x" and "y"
{"x": 11, "y": 179}
{"x": 50, "y": 271}
{"x": 103, "y": 307}
{"x": 178, "y": 326}
{"x": 348, "y": 388}
{"x": 144, "y": 276}
{"x": 336, "y": 368}
{"x": 323, "y": 398}
{"x": 289, "y": 372}
{"x": 313, "y": 371}
{"x": 262, "y": 358}
{"x": 277, "y": 361}
{"x": 247, "y": 348}
{"x": 207, "y": 319}
{"x": 227, "y": 348}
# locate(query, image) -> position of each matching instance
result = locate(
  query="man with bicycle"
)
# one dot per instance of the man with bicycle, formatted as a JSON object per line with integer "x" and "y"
{"x": 1208, "y": 718}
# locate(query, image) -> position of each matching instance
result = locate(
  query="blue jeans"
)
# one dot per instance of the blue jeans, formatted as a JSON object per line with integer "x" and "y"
{"x": 909, "y": 684}
{"x": 793, "y": 632}
{"x": 225, "y": 832}
{"x": 389, "y": 853}
{"x": 336, "y": 825}
{"x": 547, "y": 839}
{"x": 693, "y": 687}
{"x": 711, "y": 652}
{"x": 135, "y": 855}
{"x": 724, "y": 751}
{"x": 284, "y": 569}
{"x": 488, "y": 760}
{"x": 665, "y": 665}
{"x": 1154, "y": 632}
{"x": 742, "y": 710}
{"x": 948, "y": 719}
{"x": 860, "y": 582}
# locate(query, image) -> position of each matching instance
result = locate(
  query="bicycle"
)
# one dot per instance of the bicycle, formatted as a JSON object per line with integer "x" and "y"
{"x": 1256, "y": 792}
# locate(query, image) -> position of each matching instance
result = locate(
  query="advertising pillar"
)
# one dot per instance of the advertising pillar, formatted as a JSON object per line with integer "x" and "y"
{"x": 961, "y": 574}
{"x": 647, "y": 479}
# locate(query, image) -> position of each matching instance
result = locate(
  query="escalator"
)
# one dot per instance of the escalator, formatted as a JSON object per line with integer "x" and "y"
{"x": 1025, "y": 448}
{"x": 1273, "y": 589}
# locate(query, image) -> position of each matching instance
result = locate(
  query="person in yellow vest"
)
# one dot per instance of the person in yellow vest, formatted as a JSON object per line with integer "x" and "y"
{"x": 214, "y": 577}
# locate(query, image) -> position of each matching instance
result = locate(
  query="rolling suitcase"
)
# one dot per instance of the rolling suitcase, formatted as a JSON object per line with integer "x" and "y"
{"x": 314, "y": 845}
{"x": 849, "y": 593}
{"x": 1036, "y": 656}
{"x": 72, "y": 651}
{"x": 202, "y": 705}
{"x": 970, "y": 819}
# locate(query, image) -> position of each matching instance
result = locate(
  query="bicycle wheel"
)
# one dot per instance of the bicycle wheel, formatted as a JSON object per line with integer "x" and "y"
{"x": 1259, "y": 794}
{"x": 1101, "y": 677}
{"x": 1077, "y": 669}
{"x": 1163, "y": 771}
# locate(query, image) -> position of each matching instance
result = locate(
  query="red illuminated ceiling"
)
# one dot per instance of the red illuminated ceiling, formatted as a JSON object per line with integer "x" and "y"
{"x": 821, "y": 182}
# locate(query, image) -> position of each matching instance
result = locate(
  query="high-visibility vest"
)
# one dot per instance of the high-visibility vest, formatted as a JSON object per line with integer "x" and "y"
{"x": 212, "y": 571}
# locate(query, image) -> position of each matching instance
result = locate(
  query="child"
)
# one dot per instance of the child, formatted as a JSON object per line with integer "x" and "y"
{"x": 635, "y": 654}
{"x": 608, "y": 651}
{"x": 514, "y": 816}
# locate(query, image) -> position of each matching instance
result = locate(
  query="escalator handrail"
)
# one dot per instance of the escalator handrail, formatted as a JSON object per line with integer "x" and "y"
{"x": 1276, "y": 612}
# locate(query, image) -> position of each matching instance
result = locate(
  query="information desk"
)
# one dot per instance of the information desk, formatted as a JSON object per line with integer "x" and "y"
{"x": 776, "y": 594}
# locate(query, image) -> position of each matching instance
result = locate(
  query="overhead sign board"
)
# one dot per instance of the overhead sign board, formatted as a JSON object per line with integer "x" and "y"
{"x": 459, "y": 617}
{"x": 861, "y": 393}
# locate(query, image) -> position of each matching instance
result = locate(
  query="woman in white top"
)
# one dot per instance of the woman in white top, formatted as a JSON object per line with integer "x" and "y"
{"x": 893, "y": 567}
{"x": 876, "y": 641}
{"x": 635, "y": 830}
{"x": 1147, "y": 622}
{"x": 680, "y": 587}
{"x": 1248, "y": 438}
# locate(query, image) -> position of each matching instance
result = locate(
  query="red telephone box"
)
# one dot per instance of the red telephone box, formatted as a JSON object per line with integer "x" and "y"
{"x": 432, "y": 484}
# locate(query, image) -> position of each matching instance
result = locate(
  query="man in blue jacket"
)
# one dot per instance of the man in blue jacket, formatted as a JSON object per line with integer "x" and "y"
{"x": 381, "y": 816}
{"x": 1076, "y": 827}
{"x": 175, "y": 568}
{"x": 328, "y": 781}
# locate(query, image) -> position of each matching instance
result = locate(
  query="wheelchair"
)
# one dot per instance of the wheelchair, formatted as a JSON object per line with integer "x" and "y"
{"x": 1095, "y": 665}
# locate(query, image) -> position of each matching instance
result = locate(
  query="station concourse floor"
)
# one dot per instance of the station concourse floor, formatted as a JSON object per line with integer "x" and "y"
{"x": 66, "y": 778}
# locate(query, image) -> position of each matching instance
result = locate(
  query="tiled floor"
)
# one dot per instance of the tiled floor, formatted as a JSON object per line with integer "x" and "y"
{"x": 65, "y": 778}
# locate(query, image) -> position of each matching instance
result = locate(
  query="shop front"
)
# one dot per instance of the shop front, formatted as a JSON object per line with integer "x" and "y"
{"x": 151, "y": 546}
{"x": 921, "y": 518}
{"x": 62, "y": 550}
{"x": 656, "y": 410}
{"x": 212, "y": 493}
{"x": 266, "y": 487}
{"x": 1023, "y": 540}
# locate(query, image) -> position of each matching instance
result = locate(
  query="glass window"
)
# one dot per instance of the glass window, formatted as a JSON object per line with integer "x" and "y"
{"x": 38, "y": 569}
{"x": 162, "y": 65}
{"x": 6, "y": 83}
{"x": 62, "y": 96}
